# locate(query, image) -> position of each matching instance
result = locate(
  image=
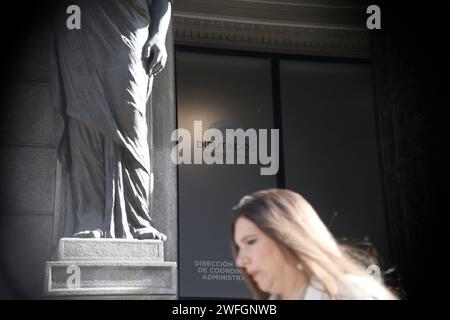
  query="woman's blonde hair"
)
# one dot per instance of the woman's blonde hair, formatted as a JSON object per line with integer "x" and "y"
{"x": 287, "y": 218}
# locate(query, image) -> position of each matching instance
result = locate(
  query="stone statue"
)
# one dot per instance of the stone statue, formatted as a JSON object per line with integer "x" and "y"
{"x": 101, "y": 79}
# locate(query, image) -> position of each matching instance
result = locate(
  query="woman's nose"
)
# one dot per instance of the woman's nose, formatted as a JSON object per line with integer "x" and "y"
{"x": 242, "y": 260}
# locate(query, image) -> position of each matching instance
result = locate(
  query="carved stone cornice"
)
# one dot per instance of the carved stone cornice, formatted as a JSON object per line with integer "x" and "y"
{"x": 335, "y": 36}
{"x": 271, "y": 38}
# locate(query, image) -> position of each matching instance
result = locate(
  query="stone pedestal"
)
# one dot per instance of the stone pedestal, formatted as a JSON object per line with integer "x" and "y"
{"x": 110, "y": 268}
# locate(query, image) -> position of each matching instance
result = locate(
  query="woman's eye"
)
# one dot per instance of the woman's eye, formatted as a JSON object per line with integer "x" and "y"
{"x": 251, "y": 241}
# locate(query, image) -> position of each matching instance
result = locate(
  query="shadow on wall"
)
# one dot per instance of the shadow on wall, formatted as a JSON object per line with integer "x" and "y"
{"x": 27, "y": 157}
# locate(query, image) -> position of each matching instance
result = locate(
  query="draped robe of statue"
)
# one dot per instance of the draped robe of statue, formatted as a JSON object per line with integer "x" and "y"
{"x": 100, "y": 87}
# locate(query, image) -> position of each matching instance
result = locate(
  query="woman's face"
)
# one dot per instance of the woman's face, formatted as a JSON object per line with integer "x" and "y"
{"x": 260, "y": 256}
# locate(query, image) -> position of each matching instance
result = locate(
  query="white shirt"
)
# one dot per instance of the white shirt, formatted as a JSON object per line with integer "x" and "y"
{"x": 362, "y": 288}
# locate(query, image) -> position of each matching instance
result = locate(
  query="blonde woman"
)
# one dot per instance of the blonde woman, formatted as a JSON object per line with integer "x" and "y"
{"x": 285, "y": 252}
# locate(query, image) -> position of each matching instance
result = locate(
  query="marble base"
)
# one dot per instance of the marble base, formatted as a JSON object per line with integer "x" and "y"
{"x": 110, "y": 268}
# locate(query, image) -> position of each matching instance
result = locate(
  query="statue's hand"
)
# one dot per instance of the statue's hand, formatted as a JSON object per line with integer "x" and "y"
{"x": 155, "y": 50}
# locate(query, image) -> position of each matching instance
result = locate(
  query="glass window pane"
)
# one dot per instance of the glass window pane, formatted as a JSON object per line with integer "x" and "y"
{"x": 224, "y": 92}
{"x": 331, "y": 154}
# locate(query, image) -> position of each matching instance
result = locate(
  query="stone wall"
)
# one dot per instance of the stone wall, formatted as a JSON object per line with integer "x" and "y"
{"x": 28, "y": 160}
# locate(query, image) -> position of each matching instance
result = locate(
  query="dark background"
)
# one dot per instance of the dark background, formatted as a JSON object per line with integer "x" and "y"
{"x": 410, "y": 64}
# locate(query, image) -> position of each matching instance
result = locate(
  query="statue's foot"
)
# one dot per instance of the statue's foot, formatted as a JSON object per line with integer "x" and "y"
{"x": 149, "y": 233}
{"x": 96, "y": 234}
